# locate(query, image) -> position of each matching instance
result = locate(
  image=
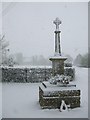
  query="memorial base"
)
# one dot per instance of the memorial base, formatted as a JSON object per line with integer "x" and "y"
{"x": 50, "y": 97}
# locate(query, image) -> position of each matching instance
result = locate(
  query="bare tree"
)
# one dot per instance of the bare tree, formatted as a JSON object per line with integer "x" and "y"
{"x": 3, "y": 49}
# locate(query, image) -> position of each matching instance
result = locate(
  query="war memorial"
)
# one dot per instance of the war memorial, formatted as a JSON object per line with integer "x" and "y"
{"x": 59, "y": 87}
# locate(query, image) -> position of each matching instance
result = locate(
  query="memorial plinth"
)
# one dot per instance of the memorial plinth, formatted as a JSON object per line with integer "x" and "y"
{"x": 51, "y": 96}
{"x": 57, "y": 65}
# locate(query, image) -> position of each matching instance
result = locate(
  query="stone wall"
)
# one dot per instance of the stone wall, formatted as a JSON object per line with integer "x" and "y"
{"x": 30, "y": 74}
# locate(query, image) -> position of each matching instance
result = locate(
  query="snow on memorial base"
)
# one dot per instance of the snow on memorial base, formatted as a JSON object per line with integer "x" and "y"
{"x": 51, "y": 96}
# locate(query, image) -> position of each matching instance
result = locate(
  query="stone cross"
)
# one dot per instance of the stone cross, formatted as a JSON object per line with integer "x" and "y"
{"x": 57, "y": 22}
{"x": 57, "y": 59}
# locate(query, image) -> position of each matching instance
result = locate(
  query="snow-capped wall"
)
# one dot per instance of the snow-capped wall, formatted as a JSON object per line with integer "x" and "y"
{"x": 11, "y": 74}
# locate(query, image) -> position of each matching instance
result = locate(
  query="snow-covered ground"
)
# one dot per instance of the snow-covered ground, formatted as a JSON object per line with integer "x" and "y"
{"x": 0, "y": 101}
{"x": 20, "y": 100}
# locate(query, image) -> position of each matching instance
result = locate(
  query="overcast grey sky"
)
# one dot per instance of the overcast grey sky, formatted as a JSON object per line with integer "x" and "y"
{"x": 29, "y": 27}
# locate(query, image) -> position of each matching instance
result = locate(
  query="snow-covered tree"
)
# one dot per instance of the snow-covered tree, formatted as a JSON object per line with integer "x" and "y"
{"x": 85, "y": 60}
{"x": 78, "y": 60}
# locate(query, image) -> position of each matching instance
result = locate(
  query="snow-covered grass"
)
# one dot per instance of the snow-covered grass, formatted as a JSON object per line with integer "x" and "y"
{"x": 20, "y": 100}
{"x": 0, "y": 100}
